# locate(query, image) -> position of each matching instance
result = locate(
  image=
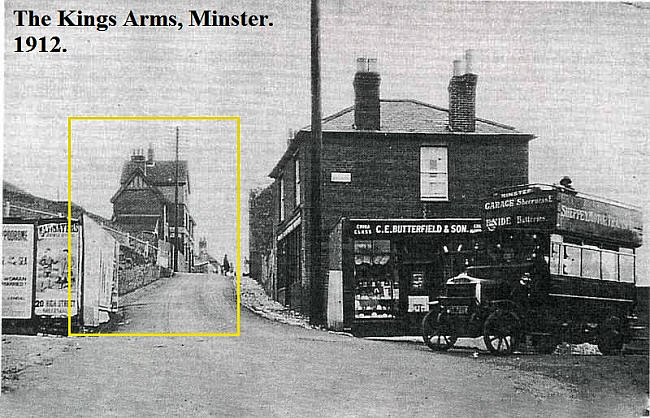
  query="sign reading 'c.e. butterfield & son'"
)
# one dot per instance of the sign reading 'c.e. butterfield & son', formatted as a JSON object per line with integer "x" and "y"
{"x": 384, "y": 227}
{"x": 17, "y": 270}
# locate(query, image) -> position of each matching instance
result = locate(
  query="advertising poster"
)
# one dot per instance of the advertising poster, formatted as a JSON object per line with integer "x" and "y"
{"x": 17, "y": 271}
{"x": 52, "y": 269}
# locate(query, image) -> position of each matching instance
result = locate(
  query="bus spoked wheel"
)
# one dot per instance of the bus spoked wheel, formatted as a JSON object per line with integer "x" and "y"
{"x": 500, "y": 332}
{"x": 610, "y": 337}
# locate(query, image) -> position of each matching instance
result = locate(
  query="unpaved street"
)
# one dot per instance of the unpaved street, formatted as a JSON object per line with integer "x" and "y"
{"x": 186, "y": 303}
{"x": 278, "y": 370}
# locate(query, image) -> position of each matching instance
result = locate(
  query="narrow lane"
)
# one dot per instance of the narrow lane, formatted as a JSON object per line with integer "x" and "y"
{"x": 185, "y": 303}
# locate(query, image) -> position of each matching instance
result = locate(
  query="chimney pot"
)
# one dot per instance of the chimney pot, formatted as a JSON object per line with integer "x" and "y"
{"x": 372, "y": 65}
{"x": 458, "y": 68}
{"x": 362, "y": 64}
{"x": 469, "y": 60}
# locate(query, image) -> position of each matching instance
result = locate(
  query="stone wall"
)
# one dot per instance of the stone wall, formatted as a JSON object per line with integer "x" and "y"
{"x": 135, "y": 271}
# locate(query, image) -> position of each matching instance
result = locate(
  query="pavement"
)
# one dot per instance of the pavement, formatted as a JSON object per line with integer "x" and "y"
{"x": 271, "y": 370}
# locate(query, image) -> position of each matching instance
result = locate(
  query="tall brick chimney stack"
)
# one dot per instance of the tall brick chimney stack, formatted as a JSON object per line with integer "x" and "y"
{"x": 462, "y": 95}
{"x": 366, "y": 95}
{"x": 150, "y": 154}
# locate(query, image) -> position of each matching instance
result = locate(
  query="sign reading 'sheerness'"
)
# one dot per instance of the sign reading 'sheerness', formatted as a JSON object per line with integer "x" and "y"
{"x": 522, "y": 208}
{"x": 562, "y": 211}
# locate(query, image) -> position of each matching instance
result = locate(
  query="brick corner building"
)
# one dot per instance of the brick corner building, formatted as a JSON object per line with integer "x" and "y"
{"x": 401, "y": 182}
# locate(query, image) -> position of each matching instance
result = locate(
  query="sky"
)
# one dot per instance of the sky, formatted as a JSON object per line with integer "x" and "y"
{"x": 573, "y": 74}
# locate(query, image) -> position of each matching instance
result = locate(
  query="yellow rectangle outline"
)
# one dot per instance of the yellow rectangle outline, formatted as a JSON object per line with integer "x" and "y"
{"x": 238, "y": 262}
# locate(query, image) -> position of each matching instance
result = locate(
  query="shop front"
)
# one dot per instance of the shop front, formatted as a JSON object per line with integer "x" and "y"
{"x": 389, "y": 270}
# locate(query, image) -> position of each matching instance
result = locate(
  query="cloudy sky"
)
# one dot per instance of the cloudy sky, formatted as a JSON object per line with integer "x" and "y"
{"x": 573, "y": 74}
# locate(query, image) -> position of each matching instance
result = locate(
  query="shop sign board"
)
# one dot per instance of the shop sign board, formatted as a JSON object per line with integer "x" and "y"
{"x": 418, "y": 304}
{"x": 339, "y": 177}
{"x": 17, "y": 271}
{"x": 52, "y": 269}
{"x": 389, "y": 227}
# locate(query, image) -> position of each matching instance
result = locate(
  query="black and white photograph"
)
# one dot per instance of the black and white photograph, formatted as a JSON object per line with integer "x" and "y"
{"x": 325, "y": 208}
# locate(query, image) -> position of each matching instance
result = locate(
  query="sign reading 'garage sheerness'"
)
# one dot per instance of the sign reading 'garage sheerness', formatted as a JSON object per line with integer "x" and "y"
{"x": 383, "y": 227}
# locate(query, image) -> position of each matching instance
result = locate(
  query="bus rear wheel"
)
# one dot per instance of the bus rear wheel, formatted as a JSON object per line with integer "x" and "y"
{"x": 610, "y": 337}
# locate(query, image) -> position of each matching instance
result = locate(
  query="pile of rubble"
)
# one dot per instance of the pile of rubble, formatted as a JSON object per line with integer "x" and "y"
{"x": 254, "y": 298}
{"x": 584, "y": 349}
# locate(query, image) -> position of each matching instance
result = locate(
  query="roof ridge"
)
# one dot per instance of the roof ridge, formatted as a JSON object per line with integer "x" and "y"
{"x": 414, "y": 101}
{"x": 442, "y": 109}
{"x": 488, "y": 121}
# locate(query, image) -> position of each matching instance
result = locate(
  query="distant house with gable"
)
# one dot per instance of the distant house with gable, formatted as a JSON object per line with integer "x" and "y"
{"x": 144, "y": 203}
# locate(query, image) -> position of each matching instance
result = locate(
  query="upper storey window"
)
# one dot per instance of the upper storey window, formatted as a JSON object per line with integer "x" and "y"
{"x": 433, "y": 173}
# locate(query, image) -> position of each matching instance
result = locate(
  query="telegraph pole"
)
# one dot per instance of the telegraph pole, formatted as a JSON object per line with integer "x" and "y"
{"x": 176, "y": 208}
{"x": 315, "y": 150}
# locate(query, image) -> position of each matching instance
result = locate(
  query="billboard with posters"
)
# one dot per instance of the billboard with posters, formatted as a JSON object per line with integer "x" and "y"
{"x": 101, "y": 252}
{"x": 51, "y": 297}
{"x": 17, "y": 270}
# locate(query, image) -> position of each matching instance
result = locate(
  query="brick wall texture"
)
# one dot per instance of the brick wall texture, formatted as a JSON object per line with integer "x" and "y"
{"x": 385, "y": 179}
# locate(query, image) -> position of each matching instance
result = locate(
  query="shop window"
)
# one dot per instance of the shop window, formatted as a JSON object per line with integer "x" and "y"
{"x": 376, "y": 292}
{"x": 433, "y": 173}
{"x": 609, "y": 265}
{"x": 626, "y": 264}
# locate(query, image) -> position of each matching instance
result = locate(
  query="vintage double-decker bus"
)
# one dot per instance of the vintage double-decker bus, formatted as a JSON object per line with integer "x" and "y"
{"x": 554, "y": 265}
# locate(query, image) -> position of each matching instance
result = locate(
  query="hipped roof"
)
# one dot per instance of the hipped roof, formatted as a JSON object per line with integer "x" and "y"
{"x": 406, "y": 116}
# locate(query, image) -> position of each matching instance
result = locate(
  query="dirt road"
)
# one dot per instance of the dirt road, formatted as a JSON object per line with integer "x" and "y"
{"x": 185, "y": 303}
{"x": 278, "y": 370}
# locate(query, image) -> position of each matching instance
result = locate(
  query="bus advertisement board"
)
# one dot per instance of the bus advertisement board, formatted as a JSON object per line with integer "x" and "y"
{"x": 527, "y": 208}
{"x": 563, "y": 211}
{"x": 599, "y": 219}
